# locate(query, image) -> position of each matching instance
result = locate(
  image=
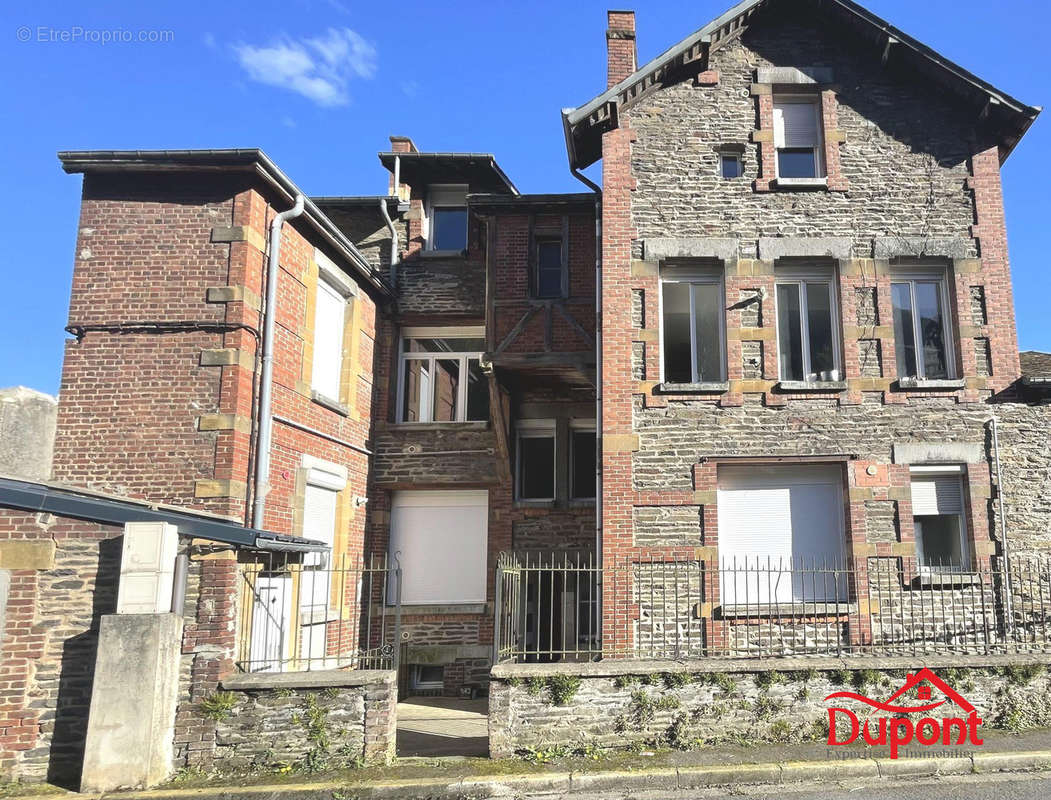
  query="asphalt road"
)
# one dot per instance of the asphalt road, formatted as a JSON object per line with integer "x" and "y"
{"x": 956, "y": 787}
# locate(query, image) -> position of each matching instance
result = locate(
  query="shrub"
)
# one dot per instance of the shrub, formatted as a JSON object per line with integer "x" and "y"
{"x": 218, "y": 705}
{"x": 562, "y": 688}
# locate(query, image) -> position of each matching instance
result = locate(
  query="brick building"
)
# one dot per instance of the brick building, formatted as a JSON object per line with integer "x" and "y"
{"x": 779, "y": 330}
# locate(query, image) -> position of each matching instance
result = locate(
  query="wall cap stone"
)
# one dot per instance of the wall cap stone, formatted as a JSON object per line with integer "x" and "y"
{"x": 260, "y": 681}
{"x": 938, "y": 452}
{"x": 774, "y": 247}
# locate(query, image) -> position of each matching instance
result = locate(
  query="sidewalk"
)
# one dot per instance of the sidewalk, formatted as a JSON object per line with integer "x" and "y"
{"x": 667, "y": 770}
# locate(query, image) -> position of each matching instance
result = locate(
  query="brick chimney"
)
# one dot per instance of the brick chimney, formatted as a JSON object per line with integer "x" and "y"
{"x": 400, "y": 144}
{"x": 620, "y": 46}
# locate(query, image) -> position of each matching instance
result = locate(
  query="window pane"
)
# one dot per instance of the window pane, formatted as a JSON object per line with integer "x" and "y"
{"x": 549, "y": 269}
{"x": 446, "y": 388}
{"x": 904, "y": 340}
{"x": 536, "y": 465}
{"x": 819, "y": 328}
{"x": 707, "y": 307}
{"x": 731, "y": 166}
{"x": 932, "y": 330}
{"x": 796, "y": 163}
{"x": 582, "y": 471}
{"x": 677, "y": 355}
{"x": 789, "y": 333}
{"x": 938, "y": 542}
{"x": 477, "y": 392}
{"x": 450, "y": 228}
{"x": 416, "y": 382}
{"x": 464, "y": 345}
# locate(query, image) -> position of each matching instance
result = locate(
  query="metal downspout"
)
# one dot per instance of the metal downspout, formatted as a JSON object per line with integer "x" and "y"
{"x": 266, "y": 422}
{"x": 1000, "y": 498}
{"x": 594, "y": 187}
{"x": 393, "y": 241}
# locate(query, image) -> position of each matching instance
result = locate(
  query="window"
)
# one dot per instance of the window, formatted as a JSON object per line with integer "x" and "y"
{"x": 440, "y": 540}
{"x": 781, "y": 517}
{"x": 324, "y": 482}
{"x": 921, "y": 332}
{"x": 535, "y": 464}
{"x": 428, "y": 676}
{"x": 730, "y": 165}
{"x": 441, "y": 375}
{"x": 447, "y": 218}
{"x": 692, "y": 348}
{"x": 797, "y": 137}
{"x": 582, "y": 461}
{"x": 329, "y": 315}
{"x": 807, "y": 325}
{"x": 938, "y": 518}
{"x": 549, "y": 267}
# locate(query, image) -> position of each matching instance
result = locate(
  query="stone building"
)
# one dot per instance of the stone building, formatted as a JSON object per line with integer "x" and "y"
{"x": 780, "y": 332}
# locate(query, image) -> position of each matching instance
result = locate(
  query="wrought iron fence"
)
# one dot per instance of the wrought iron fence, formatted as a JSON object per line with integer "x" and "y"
{"x": 318, "y": 612}
{"x": 556, "y": 608}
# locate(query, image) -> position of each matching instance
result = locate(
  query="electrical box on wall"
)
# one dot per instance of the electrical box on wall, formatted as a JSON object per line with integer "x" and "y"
{"x": 147, "y": 568}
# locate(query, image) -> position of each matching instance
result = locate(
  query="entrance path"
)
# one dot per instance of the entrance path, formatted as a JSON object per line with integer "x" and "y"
{"x": 443, "y": 726}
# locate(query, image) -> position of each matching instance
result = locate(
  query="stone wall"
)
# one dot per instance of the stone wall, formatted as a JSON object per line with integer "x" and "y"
{"x": 691, "y": 704}
{"x": 308, "y": 720}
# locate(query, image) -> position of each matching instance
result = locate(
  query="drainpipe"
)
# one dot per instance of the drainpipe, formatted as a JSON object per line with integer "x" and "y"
{"x": 598, "y": 380}
{"x": 992, "y": 422}
{"x": 393, "y": 236}
{"x": 266, "y": 422}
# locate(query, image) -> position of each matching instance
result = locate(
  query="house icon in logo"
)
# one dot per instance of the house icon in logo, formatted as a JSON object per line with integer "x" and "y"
{"x": 926, "y": 680}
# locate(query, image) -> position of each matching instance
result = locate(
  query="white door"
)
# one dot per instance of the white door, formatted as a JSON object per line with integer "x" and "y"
{"x": 781, "y": 534}
{"x": 440, "y": 540}
{"x": 271, "y": 613}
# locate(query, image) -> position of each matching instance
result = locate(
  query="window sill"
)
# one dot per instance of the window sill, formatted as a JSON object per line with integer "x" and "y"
{"x": 948, "y": 580}
{"x": 786, "y": 609}
{"x": 440, "y": 426}
{"x": 812, "y": 386}
{"x": 922, "y": 384}
{"x": 705, "y": 387}
{"x": 442, "y": 253}
{"x": 801, "y": 183}
{"x": 444, "y": 608}
{"x": 582, "y": 502}
{"x": 534, "y": 504}
{"x": 327, "y": 402}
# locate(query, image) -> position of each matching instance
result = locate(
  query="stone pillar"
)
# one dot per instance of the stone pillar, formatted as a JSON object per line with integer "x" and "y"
{"x": 131, "y": 725}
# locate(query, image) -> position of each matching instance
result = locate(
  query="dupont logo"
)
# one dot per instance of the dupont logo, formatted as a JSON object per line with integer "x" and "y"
{"x": 897, "y": 726}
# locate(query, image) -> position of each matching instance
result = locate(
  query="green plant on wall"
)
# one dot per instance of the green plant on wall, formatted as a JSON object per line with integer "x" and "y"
{"x": 535, "y": 685}
{"x": 562, "y": 688}
{"x": 764, "y": 680}
{"x": 218, "y": 705}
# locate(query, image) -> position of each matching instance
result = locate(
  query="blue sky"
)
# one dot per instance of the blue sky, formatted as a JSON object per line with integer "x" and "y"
{"x": 479, "y": 76}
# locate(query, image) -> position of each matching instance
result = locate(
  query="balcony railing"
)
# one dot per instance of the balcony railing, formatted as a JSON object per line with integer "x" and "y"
{"x": 322, "y": 612}
{"x": 557, "y": 608}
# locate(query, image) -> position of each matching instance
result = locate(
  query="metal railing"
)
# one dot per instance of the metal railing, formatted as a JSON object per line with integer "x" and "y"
{"x": 321, "y": 612}
{"x": 553, "y": 608}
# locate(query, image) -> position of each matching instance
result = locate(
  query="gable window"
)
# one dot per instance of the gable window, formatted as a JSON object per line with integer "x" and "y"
{"x": 447, "y": 218}
{"x": 329, "y": 316}
{"x": 921, "y": 327}
{"x": 441, "y": 375}
{"x": 807, "y": 324}
{"x": 693, "y": 348}
{"x": 582, "y": 460}
{"x": 730, "y": 165}
{"x": 797, "y": 137}
{"x": 535, "y": 463}
{"x": 938, "y": 518}
{"x": 550, "y": 267}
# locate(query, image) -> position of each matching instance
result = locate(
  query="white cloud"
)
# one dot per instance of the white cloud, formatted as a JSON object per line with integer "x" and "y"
{"x": 319, "y": 68}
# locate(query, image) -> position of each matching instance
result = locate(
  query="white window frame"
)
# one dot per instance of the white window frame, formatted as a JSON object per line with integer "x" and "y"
{"x": 579, "y": 426}
{"x": 707, "y": 275}
{"x": 820, "y": 169}
{"x": 445, "y": 195}
{"x": 926, "y": 274}
{"x": 332, "y": 279}
{"x": 462, "y": 332}
{"x": 536, "y": 429}
{"x": 329, "y": 476}
{"x": 422, "y": 685}
{"x": 958, "y": 471}
{"x": 800, "y": 277}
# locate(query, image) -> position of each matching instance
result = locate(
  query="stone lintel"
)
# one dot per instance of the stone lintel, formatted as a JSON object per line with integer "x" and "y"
{"x": 938, "y": 453}
{"x": 724, "y": 249}
{"x": 774, "y": 247}
{"x": 906, "y": 246}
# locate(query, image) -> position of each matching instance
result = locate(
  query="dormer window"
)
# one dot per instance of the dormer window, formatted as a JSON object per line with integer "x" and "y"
{"x": 447, "y": 218}
{"x": 797, "y": 137}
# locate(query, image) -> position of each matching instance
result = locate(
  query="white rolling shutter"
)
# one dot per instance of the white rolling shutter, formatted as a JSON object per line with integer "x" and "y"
{"x": 440, "y": 541}
{"x": 936, "y": 494}
{"x": 328, "y": 340}
{"x": 796, "y": 124}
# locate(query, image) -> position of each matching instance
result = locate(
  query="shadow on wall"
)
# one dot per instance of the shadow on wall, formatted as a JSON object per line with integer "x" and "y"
{"x": 78, "y": 670}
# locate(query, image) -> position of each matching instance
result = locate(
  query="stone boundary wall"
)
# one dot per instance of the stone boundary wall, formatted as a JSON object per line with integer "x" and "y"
{"x": 687, "y": 705}
{"x": 303, "y": 720}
